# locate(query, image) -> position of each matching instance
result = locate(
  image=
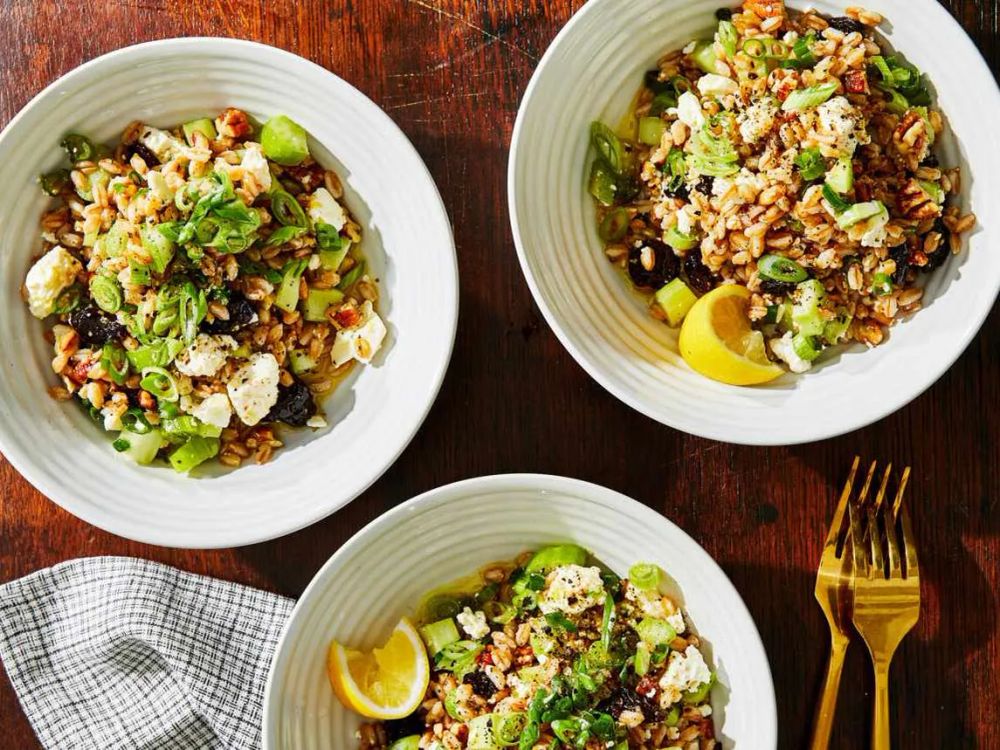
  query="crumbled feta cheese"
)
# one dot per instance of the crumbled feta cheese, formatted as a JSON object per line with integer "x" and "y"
{"x": 685, "y": 672}
{"x": 361, "y": 342}
{"x": 214, "y": 410}
{"x": 711, "y": 84}
{"x": 783, "y": 350}
{"x": 873, "y": 230}
{"x": 572, "y": 589}
{"x": 316, "y": 422}
{"x": 323, "y": 208}
{"x": 650, "y": 603}
{"x": 163, "y": 145}
{"x": 676, "y": 621}
{"x": 112, "y": 418}
{"x": 687, "y": 217}
{"x": 705, "y": 710}
{"x": 205, "y": 356}
{"x": 253, "y": 389}
{"x": 689, "y": 111}
{"x": 314, "y": 261}
{"x": 254, "y": 162}
{"x": 757, "y": 120}
{"x": 47, "y": 279}
{"x": 839, "y": 118}
{"x": 473, "y": 623}
{"x": 158, "y": 186}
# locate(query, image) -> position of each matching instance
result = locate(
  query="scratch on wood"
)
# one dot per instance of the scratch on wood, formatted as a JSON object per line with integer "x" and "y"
{"x": 436, "y": 99}
{"x": 465, "y": 22}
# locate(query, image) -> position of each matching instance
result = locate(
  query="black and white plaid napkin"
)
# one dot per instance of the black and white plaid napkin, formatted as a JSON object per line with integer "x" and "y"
{"x": 114, "y": 652}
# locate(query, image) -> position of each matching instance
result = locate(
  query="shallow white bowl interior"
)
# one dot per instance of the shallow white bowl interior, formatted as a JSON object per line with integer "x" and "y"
{"x": 591, "y": 71}
{"x": 373, "y": 415}
{"x": 383, "y": 571}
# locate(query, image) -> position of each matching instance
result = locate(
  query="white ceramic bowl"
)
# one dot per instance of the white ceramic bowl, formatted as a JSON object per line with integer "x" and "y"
{"x": 591, "y": 71}
{"x": 407, "y": 240}
{"x": 384, "y": 570}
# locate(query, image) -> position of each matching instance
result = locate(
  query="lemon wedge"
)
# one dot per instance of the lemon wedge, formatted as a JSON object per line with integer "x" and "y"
{"x": 385, "y": 683}
{"x": 717, "y": 341}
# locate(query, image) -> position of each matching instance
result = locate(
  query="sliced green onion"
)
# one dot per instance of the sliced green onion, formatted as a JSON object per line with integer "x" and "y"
{"x": 811, "y": 164}
{"x": 458, "y": 657}
{"x": 160, "y": 383}
{"x": 284, "y": 141}
{"x": 805, "y": 347}
{"x": 68, "y": 300}
{"x": 645, "y": 576}
{"x": 193, "y": 307}
{"x": 78, "y": 147}
{"x": 114, "y": 362}
{"x": 662, "y": 102}
{"x": 728, "y": 38}
{"x": 860, "y": 212}
{"x": 287, "y": 296}
{"x": 880, "y": 64}
{"x": 841, "y": 176}
{"x": 607, "y": 621}
{"x": 678, "y": 240}
{"x": 614, "y": 225}
{"x": 106, "y": 293}
{"x": 608, "y": 146}
{"x": 835, "y": 329}
{"x": 352, "y": 277}
{"x": 121, "y": 444}
{"x": 651, "y": 130}
{"x": 135, "y": 421}
{"x": 676, "y": 300}
{"x": 508, "y": 727}
{"x": 881, "y": 284}
{"x": 559, "y": 621}
{"x": 808, "y": 98}
{"x": 286, "y": 209}
{"x": 159, "y": 353}
{"x": 158, "y": 243}
{"x": 755, "y": 48}
{"x": 195, "y": 451}
{"x": 139, "y": 274}
{"x": 838, "y": 204}
{"x": 499, "y": 612}
{"x": 782, "y": 269}
{"x": 602, "y": 183}
{"x": 700, "y": 693}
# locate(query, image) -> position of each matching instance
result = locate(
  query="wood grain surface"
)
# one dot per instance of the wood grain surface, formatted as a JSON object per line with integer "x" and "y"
{"x": 451, "y": 73}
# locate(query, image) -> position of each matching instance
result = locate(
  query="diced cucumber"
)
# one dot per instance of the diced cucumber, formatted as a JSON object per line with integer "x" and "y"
{"x": 284, "y": 141}
{"x": 204, "y": 126}
{"x": 406, "y": 743}
{"x": 704, "y": 56}
{"x": 331, "y": 259}
{"x": 550, "y": 558}
{"x": 805, "y": 347}
{"x": 301, "y": 362}
{"x": 676, "y": 300}
{"x": 836, "y": 328}
{"x": 651, "y": 130}
{"x": 439, "y": 634}
{"x": 142, "y": 448}
{"x": 654, "y": 631}
{"x": 841, "y": 175}
{"x": 860, "y": 212}
{"x": 807, "y": 300}
{"x": 318, "y": 301}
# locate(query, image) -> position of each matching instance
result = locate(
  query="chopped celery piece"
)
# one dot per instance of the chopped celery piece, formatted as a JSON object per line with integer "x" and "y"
{"x": 841, "y": 175}
{"x": 704, "y": 56}
{"x": 838, "y": 204}
{"x": 142, "y": 448}
{"x": 481, "y": 736}
{"x": 439, "y": 634}
{"x": 284, "y": 141}
{"x": 318, "y": 301}
{"x": 673, "y": 717}
{"x": 642, "y": 658}
{"x": 860, "y": 212}
{"x": 406, "y": 743}
{"x": 678, "y": 240}
{"x": 195, "y": 451}
{"x": 808, "y": 298}
{"x": 934, "y": 190}
{"x": 808, "y": 98}
{"x": 651, "y": 130}
{"x": 654, "y": 631}
{"x": 159, "y": 246}
{"x": 676, "y": 300}
{"x": 204, "y": 126}
{"x": 835, "y": 329}
{"x": 550, "y": 558}
{"x": 160, "y": 353}
{"x": 805, "y": 347}
{"x": 728, "y": 36}
{"x": 300, "y": 361}
{"x": 287, "y": 297}
{"x": 331, "y": 259}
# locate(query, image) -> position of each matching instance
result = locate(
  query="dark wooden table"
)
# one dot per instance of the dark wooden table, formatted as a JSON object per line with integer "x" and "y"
{"x": 451, "y": 73}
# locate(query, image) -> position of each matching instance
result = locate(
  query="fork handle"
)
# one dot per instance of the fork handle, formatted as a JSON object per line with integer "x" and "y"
{"x": 823, "y": 725}
{"x": 880, "y": 722}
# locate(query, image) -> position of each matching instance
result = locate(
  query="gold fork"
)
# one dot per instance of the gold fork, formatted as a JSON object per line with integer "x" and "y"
{"x": 886, "y": 587}
{"x": 833, "y": 592}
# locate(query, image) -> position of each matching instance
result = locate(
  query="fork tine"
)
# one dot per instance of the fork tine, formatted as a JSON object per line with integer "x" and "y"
{"x": 836, "y": 536}
{"x": 880, "y": 496}
{"x": 858, "y": 549}
{"x": 863, "y": 495}
{"x": 875, "y": 543}
{"x": 892, "y": 542}
{"x": 900, "y": 491}
{"x": 909, "y": 544}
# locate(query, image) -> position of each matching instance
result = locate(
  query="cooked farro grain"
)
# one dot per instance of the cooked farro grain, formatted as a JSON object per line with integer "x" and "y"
{"x": 197, "y": 279}
{"x": 554, "y": 646}
{"x": 790, "y": 154}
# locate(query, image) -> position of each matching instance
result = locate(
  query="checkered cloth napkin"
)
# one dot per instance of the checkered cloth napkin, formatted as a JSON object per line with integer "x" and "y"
{"x": 114, "y": 652}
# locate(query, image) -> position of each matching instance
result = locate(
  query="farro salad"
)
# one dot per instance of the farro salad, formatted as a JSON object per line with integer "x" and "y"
{"x": 553, "y": 650}
{"x": 791, "y": 154}
{"x": 203, "y": 284}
